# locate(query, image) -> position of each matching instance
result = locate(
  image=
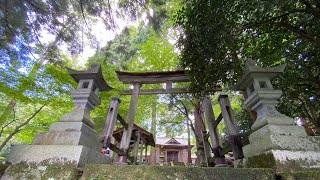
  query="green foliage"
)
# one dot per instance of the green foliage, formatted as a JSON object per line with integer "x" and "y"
{"x": 43, "y": 26}
{"x": 156, "y": 54}
{"x": 219, "y": 35}
{"x": 26, "y": 88}
{"x": 172, "y": 123}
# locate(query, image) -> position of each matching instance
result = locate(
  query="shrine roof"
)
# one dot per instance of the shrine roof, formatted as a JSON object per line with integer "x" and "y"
{"x": 170, "y": 141}
{"x": 117, "y": 134}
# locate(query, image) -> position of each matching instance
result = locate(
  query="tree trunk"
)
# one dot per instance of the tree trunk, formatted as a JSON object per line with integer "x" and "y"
{"x": 199, "y": 127}
{"x": 189, "y": 142}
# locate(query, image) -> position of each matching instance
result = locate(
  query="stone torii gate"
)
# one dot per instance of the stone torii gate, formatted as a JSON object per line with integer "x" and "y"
{"x": 137, "y": 80}
{"x": 169, "y": 77}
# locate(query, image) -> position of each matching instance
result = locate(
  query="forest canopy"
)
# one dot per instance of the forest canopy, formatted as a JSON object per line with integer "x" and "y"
{"x": 210, "y": 39}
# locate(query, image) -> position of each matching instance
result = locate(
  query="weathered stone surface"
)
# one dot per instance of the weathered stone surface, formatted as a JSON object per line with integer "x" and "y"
{"x": 69, "y": 133}
{"x": 279, "y": 142}
{"x": 78, "y": 114}
{"x": 71, "y": 126}
{"x": 56, "y": 154}
{"x": 279, "y": 137}
{"x": 33, "y": 171}
{"x": 282, "y": 160}
{"x": 300, "y": 175}
{"x": 66, "y": 138}
{"x": 101, "y": 172}
{"x": 270, "y": 129}
{"x": 271, "y": 119}
{"x": 165, "y": 172}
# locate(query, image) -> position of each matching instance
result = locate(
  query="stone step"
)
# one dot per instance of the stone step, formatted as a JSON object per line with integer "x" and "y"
{"x": 101, "y": 171}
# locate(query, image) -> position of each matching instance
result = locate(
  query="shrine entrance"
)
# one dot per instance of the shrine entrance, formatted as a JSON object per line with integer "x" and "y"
{"x": 137, "y": 79}
{"x": 172, "y": 156}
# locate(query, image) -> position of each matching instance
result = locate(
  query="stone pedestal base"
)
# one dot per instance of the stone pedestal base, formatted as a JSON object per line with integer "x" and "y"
{"x": 280, "y": 137}
{"x": 65, "y": 143}
{"x": 282, "y": 160}
{"x": 69, "y": 133}
{"x": 282, "y": 148}
{"x": 33, "y": 171}
{"x": 56, "y": 154}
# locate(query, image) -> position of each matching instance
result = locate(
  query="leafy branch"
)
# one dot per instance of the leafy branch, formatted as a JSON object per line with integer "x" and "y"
{"x": 19, "y": 127}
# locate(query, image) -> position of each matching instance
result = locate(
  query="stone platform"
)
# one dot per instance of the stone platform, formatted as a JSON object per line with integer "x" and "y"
{"x": 56, "y": 154}
{"x": 106, "y": 172}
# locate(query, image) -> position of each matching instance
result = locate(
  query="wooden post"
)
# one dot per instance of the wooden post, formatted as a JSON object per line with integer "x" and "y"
{"x": 125, "y": 140}
{"x": 232, "y": 128}
{"x": 213, "y": 132}
{"x": 110, "y": 121}
{"x": 168, "y": 85}
{"x": 142, "y": 146}
{"x": 136, "y": 146}
{"x": 206, "y": 147}
{"x": 146, "y": 154}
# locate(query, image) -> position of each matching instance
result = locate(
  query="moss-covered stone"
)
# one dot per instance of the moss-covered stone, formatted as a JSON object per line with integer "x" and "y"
{"x": 300, "y": 175}
{"x": 261, "y": 161}
{"x": 105, "y": 171}
{"x": 34, "y": 171}
{"x": 278, "y": 161}
{"x": 100, "y": 172}
{"x": 3, "y": 167}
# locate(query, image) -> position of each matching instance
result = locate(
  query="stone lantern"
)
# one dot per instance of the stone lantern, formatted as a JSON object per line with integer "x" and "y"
{"x": 72, "y": 140}
{"x": 90, "y": 83}
{"x": 261, "y": 97}
{"x": 275, "y": 142}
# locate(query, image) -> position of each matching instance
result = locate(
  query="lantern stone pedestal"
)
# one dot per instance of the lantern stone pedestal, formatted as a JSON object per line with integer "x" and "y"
{"x": 72, "y": 140}
{"x": 276, "y": 142}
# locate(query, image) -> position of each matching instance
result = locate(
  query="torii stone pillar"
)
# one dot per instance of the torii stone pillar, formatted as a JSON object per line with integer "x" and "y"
{"x": 275, "y": 143}
{"x": 127, "y": 133}
{"x": 72, "y": 140}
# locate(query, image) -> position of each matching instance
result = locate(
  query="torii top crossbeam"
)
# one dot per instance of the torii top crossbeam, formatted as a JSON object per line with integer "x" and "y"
{"x": 167, "y": 77}
{"x": 153, "y": 77}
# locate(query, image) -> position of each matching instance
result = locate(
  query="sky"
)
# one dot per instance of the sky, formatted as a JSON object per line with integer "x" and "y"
{"x": 100, "y": 31}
